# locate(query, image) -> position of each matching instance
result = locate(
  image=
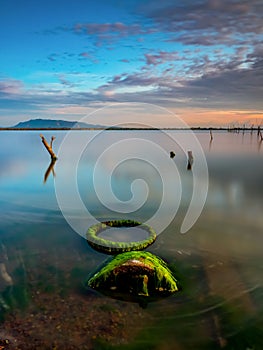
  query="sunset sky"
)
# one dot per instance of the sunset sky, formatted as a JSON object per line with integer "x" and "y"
{"x": 201, "y": 59}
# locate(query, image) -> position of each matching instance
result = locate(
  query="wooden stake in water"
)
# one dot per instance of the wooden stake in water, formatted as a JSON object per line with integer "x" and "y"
{"x": 49, "y": 147}
{"x": 258, "y": 133}
{"x": 190, "y": 160}
{"x": 172, "y": 154}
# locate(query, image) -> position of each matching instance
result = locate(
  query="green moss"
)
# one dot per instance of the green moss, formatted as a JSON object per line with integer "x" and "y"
{"x": 135, "y": 273}
{"x": 144, "y": 279}
{"x": 111, "y": 247}
{"x": 13, "y": 297}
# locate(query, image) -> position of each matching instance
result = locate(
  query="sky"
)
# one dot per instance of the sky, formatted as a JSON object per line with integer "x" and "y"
{"x": 200, "y": 59}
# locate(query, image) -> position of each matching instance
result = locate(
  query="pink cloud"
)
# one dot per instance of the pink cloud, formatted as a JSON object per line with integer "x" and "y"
{"x": 103, "y": 28}
{"x": 161, "y": 57}
{"x": 11, "y": 86}
{"x": 84, "y": 54}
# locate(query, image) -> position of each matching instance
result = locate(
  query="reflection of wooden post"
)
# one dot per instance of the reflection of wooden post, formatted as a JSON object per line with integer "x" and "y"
{"x": 52, "y": 139}
{"x": 49, "y": 169}
{"x": 211, "y": 135}
{"x": 49, "y": 147}
{"x": 190, "y": 160}
{"x": 260, "y": 135}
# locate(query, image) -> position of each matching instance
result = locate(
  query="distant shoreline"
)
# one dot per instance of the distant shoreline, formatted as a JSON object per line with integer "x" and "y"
{"x": 119, "y": 129}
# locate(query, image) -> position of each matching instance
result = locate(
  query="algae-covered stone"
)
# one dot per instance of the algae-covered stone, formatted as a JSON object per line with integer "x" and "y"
{"x": 135, "y": 274}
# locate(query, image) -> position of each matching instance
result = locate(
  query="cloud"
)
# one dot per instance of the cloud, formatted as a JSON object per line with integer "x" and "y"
{"x": 217, "y": 81}
{"x": 119, "y": 85}
{"x": 11, "y": 87}
{"x": 16, "y": 98}
{"x": 240, "y": 88}
{"x": 84, "y": 54}
{"x": 104, "y": 28}
{"x": 235, "y": 83}
{"x": 108, "y": 32}
{"x": 207, "y": 22}
{"x": 88, "y": 56}
{"x": 161, "y": 57}
{"x": 52, "y": 57}
{"x": 64, "y": 81}
{"x": 201, "y": 22}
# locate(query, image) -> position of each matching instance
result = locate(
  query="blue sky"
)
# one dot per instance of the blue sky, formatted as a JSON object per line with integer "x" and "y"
{"x": 202, "y": 59}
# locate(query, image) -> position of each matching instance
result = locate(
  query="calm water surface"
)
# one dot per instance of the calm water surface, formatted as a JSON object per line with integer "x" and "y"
{"x": 44, "y": 262}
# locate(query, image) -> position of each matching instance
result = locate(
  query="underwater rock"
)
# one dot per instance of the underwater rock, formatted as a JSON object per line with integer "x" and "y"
{"x": 132, "y": 275}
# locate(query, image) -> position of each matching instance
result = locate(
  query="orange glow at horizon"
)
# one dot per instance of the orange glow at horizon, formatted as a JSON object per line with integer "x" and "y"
{"x": 195, "y": 117}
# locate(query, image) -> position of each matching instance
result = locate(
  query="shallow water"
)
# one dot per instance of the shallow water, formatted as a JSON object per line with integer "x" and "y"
{"x": 44, "y": 261}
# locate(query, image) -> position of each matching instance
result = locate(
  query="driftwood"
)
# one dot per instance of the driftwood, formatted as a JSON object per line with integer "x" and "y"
{"x": 49, "y": 147}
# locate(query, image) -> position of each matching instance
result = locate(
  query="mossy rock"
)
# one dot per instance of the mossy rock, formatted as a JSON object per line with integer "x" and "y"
{"x": 134, "y": 275}
{"x": 111, "y": 247}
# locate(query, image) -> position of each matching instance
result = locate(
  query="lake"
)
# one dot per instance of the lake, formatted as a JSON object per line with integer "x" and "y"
{"x": 45, "y": 258}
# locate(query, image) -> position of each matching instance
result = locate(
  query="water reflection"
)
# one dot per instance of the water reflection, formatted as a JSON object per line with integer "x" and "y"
{"x": 219, "y": 262}
{"x": 259, "y": 145}
{"x": 50, "y": 169}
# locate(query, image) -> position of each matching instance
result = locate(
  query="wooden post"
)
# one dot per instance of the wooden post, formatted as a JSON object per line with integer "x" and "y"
{"x": 49, "y": 147}
{"x": 258, "y": 131}
{"x": 172, "y": 154}
{"x": 190, "y": 160}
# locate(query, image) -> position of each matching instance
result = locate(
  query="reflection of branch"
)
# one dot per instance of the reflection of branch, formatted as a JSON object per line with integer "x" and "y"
{"x": 49, "y": 170}
{"x": 259, "y": 145}
{"x": 49, "y": 146}
{"x": 210, "y": 144}
{"x": 260, "y": 135}
{"x": 211, "y": 139}
{"x": 52, "y": 139}
{"x": 211, "y": 135}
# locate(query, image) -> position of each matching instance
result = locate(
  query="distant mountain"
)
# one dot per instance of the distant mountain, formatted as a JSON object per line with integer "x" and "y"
{"x": 53, "y": 124}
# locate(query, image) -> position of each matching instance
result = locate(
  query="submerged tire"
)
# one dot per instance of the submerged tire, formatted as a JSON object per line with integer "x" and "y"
{"x": 111, "y": 247}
